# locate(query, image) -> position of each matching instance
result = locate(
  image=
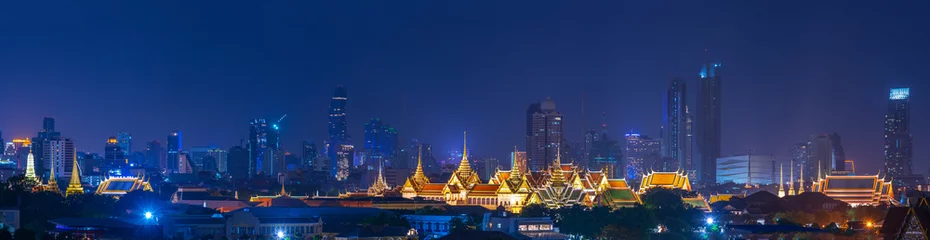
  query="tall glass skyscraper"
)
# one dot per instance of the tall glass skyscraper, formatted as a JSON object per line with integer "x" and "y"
{"x": 264, "y": 148}
{"x": 898, "y": 148}
{"x": 708, "y": 123}
{"x": 544, "y": 135}
{"x": 125, "y": 142}
{"x": 337, "y": 130}
{"x": 380, "y": 141}
{"x": 174, "y": 148}
{"x": 674, "y": 123}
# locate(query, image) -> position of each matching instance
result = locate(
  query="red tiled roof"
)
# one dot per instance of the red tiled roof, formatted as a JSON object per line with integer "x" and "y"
{"x": 485, "y": 188}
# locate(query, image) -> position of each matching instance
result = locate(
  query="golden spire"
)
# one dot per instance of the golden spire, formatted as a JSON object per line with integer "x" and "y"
{"x": 418, "y": 176}
{"x": 379, "y": 185}
{"x": 282, "y": 193}
{"x": 514, "y": 166}
{"x": 791, "y": 178}
{"x": 801, "y": 182}
{"x": 464, "y": 167}
{"x": 75, "y": 188}
{"x": 781, "y": 183}
{"x": 557, "y": 175}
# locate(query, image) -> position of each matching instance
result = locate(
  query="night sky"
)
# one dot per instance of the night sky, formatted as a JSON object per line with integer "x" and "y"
{"x": 433, "y": 69}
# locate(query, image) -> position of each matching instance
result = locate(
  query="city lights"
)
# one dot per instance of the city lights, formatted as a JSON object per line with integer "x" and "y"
{"x": 709, "y": 220}
{"x": 280, "y": 234}
{"x": 148, "y": 215}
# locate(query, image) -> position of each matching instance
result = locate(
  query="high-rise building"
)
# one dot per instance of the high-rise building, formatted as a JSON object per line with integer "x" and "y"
{"x": 642, "y": 154}
{"x": 59, "y": 155}
{"x": 898, "y": 147}
{"x": 338, "y": 137}
{"x": 826, "y": 152}
{"x": 344, "y": 159}
{"x": 590, "y": 137}
{"x": 518, "y": 159}
{"x": 113, "y": 154}
{"x": 708, "y": 139}
{"x": 688, "y": 145}
{"x": 675, "y": 122}
{"x": 125, "y": 142}
{"x": 749, "y": 169}
{"x": 238, "y": 162}
{"x": 309, "y": 153}
{"x": 38, "y": 145}
{"x": 174, "y": 148}
{"x": 184, "y": 163}
{"x": 155, "y": 155}
{"x": 543, "y": 140}
{"x": 221, "y": 157}
{"x": 606, "y": 154}
{"x": 801, "y": 157}
{"x": 260, "y": 155}
{"x": 380, "y": 141}
{"x": 2, "y": 150}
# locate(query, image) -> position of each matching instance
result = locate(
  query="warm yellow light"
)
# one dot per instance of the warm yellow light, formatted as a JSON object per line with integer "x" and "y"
{"x": 111, "y": 140}
{"x": 868, "y": 224}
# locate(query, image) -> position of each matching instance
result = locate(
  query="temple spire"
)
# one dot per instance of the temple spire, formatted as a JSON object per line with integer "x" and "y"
{"x": 781, "y": 180}
{"x": 515, "y": 167}
{"x": 30, "y": 167}
{"x": 74, "y": 187}
{"x": 418, "y": 175}
{"x": 464, "y": 167}
{"x": 791, "y": 178}
{"x": 801, "y": 182}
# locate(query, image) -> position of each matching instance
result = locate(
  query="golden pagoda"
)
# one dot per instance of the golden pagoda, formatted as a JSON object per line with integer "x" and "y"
{"x": 74, "y": 187}
{"x": 419, "y": 180}
{"x": 52, "y": 185}
{"x": 380, "y": 186}
{"x": 31, "y": 168}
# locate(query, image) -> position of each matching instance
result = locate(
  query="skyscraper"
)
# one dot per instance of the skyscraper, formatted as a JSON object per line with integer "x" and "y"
{"x": 708, "y": 123}
{"x": 309, "y": 153}
{"x": 238, "y": 163}
{"x": 380, "y": 141}
{"x": 59, "y": 155}
{"x": 174, "y": 148}
{"x": 898, "y": 148}
{"x": 642, "y": 154}
{"x": 260, "y": 156}
{"x": 337, "y": 131}
{"x": 801, "y": 157}
{"x": 825, "y": 152}
{"x": 125, "y": 142}
{"x": 675, "y": 120}
{"x": 544, "y": 135}
{"x": 113, "y": 154}
{"x": 38, "y": 145}
{"x": 155, "y": 155}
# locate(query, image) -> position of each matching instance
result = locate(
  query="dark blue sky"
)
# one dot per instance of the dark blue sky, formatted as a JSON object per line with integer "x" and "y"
{"x": 791, "y": 68}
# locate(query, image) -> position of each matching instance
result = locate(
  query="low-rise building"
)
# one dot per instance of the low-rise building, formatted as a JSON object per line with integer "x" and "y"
{"x": 525, "y": 227}
{"x": 9, "y": 219}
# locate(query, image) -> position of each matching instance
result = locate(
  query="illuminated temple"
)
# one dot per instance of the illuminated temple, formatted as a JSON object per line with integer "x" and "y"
{"x": 855, "y": 190}
{"x": 117, "y": 186}
{"x": 561, "y": 185}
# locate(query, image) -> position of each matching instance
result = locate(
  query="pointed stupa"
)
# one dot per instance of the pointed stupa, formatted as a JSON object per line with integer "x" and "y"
{"x": 515, "y": 167}
{"x": 464, "y": 166}
{"x": 419, "y": 177}
{"x": 74, "y": 187}
{"x": 31, "y": 167}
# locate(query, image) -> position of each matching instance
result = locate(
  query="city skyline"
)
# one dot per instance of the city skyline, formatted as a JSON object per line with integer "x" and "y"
{"x": 783, "y": 85}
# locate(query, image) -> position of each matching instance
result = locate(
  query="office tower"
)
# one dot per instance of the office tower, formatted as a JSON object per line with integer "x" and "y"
{"x": 38, "y": 144}
{"x": 801, "y": 157}
{"x": 708, "y": 123}
{"x": 606, "y": 154}
{"x": 590, "y": 137}
{"x": 839, "y": 155}
{"x": 265, "y": 157}
{"x": 197, "y": 156}
{"x": 825, "y": 152}
{"x": 155, "y": 155}
{"x": 748, "y": 169}
{"x": 125, "y": 142}
{"x": 425, "y": 151}
{"x": 184, "y": 163}
{"x": 238, "y": 162}
{"x": 898, "y": 147}
{"x": 344, "y": 158}
{"x": 221, "y": 159}
{"x": 338, "y": 137}
{"x": 688, "y": 145}
{"x": 309, "y": 153}
{"x": 642, "y": 154}
{"x": 113, "y": 155}
{"x": 58, "y": 155}
{"x": 674, "y": 118}
{"x": 380, "y": 141}
{"x": 543, "y": 139}
{"x": 174, "y": 148}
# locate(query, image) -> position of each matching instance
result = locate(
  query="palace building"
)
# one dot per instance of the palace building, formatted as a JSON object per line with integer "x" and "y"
{"x": 856, "y": 190}
{"x": 118, "y": 186}
{"x": 560, "y": 185}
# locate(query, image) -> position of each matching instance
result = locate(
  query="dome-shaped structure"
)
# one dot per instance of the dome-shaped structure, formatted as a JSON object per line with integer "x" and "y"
{"x": 548, "y": 105}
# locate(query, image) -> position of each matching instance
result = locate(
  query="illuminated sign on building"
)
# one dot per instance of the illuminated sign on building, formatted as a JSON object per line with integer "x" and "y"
{"x": 899, "y": 93}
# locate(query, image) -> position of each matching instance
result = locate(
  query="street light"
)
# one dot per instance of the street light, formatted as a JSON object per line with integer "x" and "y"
{"x": 709, "y": 220}
{"x": 280, "y": 234}
{"x": 148, "y": 215}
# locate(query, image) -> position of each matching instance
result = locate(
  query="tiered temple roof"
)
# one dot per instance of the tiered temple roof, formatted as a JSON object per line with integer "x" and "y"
{"x": 120, "y": 185}
{"x": 855, "y": 190}
{"x": 672, "y": 180}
